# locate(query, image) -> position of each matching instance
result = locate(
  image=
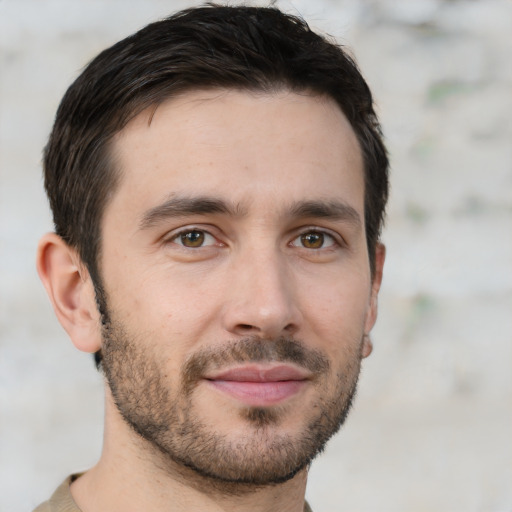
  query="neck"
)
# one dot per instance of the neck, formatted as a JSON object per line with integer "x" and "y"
{"x": 132, "y": 475}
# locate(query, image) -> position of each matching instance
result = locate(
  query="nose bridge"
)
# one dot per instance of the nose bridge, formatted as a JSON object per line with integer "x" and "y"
{"x": 262, "y": 299}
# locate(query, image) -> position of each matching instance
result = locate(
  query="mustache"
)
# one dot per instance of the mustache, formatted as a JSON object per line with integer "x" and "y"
{"x": 253, "y": 350}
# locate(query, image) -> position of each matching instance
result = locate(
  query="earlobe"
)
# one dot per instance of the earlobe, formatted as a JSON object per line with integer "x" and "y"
{"x": 371, "y": 316}
{"x": 367, "y": 346}
{"x": 70, "y": 290}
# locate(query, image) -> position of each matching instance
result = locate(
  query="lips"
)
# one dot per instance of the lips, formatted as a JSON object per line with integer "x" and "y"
{"x": 260, "y": 385}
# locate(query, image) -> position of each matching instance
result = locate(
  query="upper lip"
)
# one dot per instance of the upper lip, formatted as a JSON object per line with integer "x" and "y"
{"x": 261, "y": 373}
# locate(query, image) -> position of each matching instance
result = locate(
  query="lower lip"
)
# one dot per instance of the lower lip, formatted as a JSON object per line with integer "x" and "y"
{"x": 259, "y": 394}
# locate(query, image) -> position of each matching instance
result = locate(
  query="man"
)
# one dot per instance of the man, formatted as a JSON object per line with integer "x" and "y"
{"x": 218, "y": 184}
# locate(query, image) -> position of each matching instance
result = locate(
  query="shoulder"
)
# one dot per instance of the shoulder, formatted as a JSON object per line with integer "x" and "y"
{"x": 61, "y": 500}
{"x": 44, "y": 507}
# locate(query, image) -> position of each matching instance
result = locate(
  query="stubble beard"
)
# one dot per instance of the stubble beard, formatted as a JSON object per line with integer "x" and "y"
{"x": 169, "y": 421}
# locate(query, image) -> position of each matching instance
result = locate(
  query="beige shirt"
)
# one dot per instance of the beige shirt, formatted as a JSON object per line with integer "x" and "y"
{"x": 62, "y": 501}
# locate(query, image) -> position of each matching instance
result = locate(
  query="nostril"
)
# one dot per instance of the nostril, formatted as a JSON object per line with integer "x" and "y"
{"x": 290, "y": 328}
{"x": 246, "y": 327}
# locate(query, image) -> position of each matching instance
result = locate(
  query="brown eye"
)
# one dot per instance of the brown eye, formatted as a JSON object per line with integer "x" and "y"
{"x": 312, "y": 240}
{"x": 192, "y": 238}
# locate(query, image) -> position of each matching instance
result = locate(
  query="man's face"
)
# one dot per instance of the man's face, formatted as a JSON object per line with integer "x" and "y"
{"x": 235, "y": 266}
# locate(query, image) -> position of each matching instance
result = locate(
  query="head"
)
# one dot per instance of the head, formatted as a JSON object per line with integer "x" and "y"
{"x": 197, "y": 76}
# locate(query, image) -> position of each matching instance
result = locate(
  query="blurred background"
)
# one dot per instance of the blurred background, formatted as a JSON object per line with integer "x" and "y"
{"x": 431, "y": 429}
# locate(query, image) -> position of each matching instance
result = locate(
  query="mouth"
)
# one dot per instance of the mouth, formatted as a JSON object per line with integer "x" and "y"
{"x": 260, "y": 385}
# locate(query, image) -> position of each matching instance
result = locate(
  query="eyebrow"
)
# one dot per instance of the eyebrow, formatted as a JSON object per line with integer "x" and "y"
{"x": 179, "y": 206}
{"x": 184, "y": 206}
{"x": 326, "y": 209}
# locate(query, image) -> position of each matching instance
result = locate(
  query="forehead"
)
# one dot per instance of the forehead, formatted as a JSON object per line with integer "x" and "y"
{"x": 239, "y": 146}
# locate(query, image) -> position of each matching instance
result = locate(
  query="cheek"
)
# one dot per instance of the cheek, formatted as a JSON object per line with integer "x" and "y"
{"x": 340, "y": 306}
{"x": 175, "y": 315}
{"x": 337, "y": 312}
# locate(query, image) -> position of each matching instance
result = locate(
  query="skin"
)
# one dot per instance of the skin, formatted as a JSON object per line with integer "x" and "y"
{"x": 267, "y": 266}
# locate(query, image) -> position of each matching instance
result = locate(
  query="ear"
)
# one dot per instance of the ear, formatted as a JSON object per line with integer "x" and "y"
{"x": 71, "y": 291}
{"x": 371, "y": 315}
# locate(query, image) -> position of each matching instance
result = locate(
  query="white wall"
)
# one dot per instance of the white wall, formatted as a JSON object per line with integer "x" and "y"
{"x": 432, "y": 426}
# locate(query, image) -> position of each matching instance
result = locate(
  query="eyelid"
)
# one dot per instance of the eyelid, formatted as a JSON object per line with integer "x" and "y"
{"x": 173, "y": 235}
{"x": 336, "y": 237}
{"x": 296, "y": 242}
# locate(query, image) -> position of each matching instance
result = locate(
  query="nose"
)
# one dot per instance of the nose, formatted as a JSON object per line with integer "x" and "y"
{"x": 261, "y": 298}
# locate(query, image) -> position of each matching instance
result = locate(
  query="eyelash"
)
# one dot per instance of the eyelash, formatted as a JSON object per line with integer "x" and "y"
{"x": 177, "y": 238}
{"x": 323, "y": 235}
